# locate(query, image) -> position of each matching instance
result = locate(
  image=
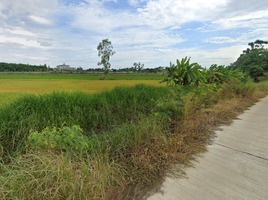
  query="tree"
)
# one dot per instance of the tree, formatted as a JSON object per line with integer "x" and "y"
{"x": 138, "y": 67}
{"x": 183, "y": 73}
{"x": 105, "y": 51}
{"x": 254, "y": 60}
{"x": 80, "y": 69}
{"x": 135, "y": 66}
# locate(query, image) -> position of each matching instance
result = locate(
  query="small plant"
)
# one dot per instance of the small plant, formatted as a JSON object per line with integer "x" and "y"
{"x": 64, "y": 138}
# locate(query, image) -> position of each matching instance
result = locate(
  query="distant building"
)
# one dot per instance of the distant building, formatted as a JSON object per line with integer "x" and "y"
{"x": 64, "y": 67}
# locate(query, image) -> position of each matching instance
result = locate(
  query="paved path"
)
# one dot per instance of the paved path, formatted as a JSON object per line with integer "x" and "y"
{"x": 235, "y": 166}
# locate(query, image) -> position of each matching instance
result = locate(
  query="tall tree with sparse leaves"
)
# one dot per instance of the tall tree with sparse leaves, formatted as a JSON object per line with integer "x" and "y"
{"x": 138, "y": 67}
{"x": 105, "y": 51}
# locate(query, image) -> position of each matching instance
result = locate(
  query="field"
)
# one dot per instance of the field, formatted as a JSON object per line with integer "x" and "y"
{"x": 85, "y": 138}
{"x": 92, "y": 76}
{"x": 13, "y": 85}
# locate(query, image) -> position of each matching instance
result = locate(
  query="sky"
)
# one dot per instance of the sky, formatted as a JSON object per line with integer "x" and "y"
{"x": 153, "y": 32}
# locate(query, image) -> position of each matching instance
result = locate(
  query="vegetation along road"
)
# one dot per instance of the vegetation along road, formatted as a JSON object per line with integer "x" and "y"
{"x": 236, "y": 165}
{"x": 117, "y": 136}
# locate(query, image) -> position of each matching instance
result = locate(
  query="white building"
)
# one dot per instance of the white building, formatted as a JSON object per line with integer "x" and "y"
{"x": 64, "y": 67}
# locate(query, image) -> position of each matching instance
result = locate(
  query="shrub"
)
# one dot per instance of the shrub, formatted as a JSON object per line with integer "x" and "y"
{"x": 64, "y": 138}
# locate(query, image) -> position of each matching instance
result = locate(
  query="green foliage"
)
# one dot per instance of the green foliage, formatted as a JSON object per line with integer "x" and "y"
{"x": 221, "y": 74}
{"x": 170, "y": 107}
{"x": 129, "y": 138}
{"x": 137, "y": 67}
{"x": 264, "y": 77}
{"x": 239, "y": 88}
{"x": 254, "y": 60}
{"x": 183, "y": 73}
{"x": 105, "y": 51}
{"x": 94, "y": 113}
{"x": 64, "y": 138}
{"x": 212, "y": 74}
{"x": 204, "y": 94}
{"x": 13, "y": 67}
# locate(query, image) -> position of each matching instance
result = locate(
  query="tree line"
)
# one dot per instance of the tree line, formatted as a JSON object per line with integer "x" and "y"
{"x": 13, "y": 67}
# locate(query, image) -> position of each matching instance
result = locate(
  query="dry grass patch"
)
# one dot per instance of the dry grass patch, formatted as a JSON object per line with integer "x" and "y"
{"x": 191, "y": 134}
{"x": 46, "y": 175}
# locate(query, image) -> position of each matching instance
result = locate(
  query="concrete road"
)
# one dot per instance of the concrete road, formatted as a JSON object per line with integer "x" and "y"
{"x": 235, "y": 166}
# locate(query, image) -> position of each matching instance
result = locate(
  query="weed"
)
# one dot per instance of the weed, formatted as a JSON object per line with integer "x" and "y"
{"x": 59, "y": 139}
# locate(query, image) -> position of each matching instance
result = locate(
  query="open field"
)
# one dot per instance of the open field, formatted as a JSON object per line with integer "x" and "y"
{"x": 13, "y": 85}
{"x": 89, "y": 137}
{"x": 92, "y": 76}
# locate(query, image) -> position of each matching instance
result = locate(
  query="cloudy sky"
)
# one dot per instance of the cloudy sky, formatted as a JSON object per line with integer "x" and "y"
{"x": 153, "y": 32}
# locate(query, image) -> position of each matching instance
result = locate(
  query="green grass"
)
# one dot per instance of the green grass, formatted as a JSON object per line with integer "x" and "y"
{"x": 10, "y": 88}
{"x": 113, "y": 121}
{"x": 134, "y": 135}
{"x": 93, "y": 112}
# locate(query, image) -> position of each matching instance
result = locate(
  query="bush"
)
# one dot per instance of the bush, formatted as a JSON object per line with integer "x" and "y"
{"x": 64, "y": 138}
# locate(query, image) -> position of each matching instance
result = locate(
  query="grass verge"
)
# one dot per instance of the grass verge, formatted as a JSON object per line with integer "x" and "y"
{"x": 135, "y": 134}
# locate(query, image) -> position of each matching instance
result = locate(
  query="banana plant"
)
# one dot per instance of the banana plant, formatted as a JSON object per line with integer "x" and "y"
{"x": 213, "y": 74}
{"x": 183, "y": 73}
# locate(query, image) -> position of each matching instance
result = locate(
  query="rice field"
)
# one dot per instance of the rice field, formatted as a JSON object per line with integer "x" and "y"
{"x": 78, "y": 141}
{"x": 91, "y": 76}
{"x": 14, "y": 85}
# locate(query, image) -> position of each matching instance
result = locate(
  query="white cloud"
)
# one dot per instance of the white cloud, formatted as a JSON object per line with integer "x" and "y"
{"x": 163, "y": 50}
{"x": 164, "y": 13}
{"x": 146, "y": 37}
{"x": 221, "y": 40}
{"x": 24, "y": 43}
{"x": 18, "y": 8}
{"x": 225, "y": 14}
{"x": 46, "y": 42}
{"x": 136, "y": 3}
{"x": 257, "y": 19}
{"x": 23, "y": 38}
{"x": 95, "y": 17}
{"x": 175, "y": 27}
{"x": 40, "y": 20}
{"x": 220, "y": 56}
{"x": 20, "y": 31}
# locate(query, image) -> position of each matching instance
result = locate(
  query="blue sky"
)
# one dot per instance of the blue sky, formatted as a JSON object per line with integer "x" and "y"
{"x": 153, "y": 32}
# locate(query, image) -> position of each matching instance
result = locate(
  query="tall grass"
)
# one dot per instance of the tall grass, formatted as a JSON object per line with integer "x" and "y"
{"x": 46, "y": 175}
{"x": 135, "y": 135}
{"x": 93, "y": 112}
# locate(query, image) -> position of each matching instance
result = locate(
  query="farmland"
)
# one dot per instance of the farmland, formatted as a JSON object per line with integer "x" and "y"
{"x": 13, "y": 85}
{"x": 76, "y": 136}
